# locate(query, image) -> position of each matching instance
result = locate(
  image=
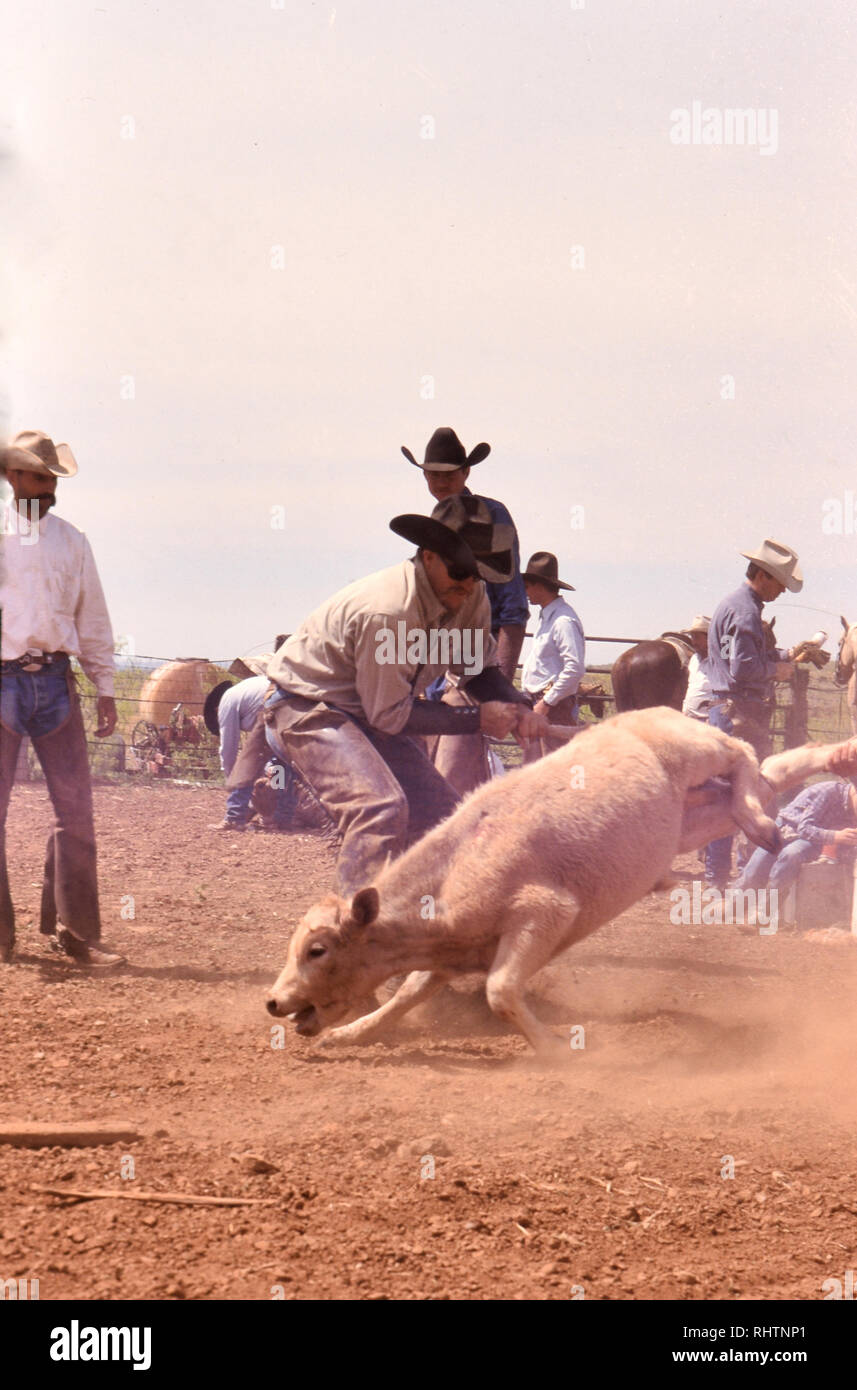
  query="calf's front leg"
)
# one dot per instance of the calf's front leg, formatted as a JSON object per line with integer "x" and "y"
{"x": 419, "y": 985}
{"x": 535, "y": 929}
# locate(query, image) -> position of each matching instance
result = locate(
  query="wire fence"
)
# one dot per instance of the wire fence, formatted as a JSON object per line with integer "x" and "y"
{"x": 161, "y": 735}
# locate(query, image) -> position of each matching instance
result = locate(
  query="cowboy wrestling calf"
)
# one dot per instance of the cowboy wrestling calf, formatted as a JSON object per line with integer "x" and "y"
{"x": 527, "y": 866}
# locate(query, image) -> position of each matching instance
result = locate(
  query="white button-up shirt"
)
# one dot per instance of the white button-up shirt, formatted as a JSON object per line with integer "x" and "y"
{"x": 558, "y": 653}
{"x": 699, "y": 697}
{"x": 50, "y": 594}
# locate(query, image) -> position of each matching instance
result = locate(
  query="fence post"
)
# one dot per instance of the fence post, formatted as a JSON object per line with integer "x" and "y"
{"x": 795, "y": 732}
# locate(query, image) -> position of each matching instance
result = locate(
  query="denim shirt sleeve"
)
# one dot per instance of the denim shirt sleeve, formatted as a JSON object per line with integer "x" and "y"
{"x": 509, "y": 606}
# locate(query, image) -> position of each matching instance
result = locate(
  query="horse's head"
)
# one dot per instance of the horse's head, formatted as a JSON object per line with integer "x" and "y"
{"x": 844, "y": 668}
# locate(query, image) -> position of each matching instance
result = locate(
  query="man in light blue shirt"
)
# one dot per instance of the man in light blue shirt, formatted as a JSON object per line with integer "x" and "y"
{"x": 230, "y": 709}
{"x": 556, "y": 661}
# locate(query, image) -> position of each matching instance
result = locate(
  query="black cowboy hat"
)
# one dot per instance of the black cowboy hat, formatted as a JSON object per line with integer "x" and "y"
{"x": 445, "y": 451}
{"x": 544, "y": 569}
{"x": 209, "y": 709}
{"x": 425, "y": 532}
{"x": 462, "y": 532}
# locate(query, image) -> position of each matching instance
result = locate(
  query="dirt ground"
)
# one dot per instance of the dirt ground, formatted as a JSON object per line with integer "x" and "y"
{"x": 602, "y": 1177}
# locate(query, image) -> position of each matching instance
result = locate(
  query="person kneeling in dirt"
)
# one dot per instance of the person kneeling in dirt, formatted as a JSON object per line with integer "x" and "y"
{"x": 820, "y": 817}
{"x": 346, "y": 707}
{"x": 228, "y": 710}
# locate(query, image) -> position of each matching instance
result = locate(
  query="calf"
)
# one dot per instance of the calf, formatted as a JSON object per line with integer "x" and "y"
{"x": 528, "y": 865}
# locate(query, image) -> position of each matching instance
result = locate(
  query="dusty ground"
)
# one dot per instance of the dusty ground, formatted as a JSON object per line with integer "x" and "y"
{"x": 603, "y": 1175}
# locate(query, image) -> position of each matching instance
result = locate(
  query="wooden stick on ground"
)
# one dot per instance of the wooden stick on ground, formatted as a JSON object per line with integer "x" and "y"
{"x": 27, "y": 1134}
{"x": 178, "y": 1198}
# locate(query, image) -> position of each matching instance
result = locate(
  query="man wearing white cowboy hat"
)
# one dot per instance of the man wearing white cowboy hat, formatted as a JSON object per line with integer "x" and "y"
{"x": 346, "y": 710}
{"x": 52, "y": 608}
{"x": 741, "y": 668}
{"x": 698, "y": 698}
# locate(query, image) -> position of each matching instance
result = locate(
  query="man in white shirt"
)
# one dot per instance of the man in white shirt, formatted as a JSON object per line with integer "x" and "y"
{"x": 556, "y": 661}
{"x": 699, "y": 697}
{"x": 52, "y": 608}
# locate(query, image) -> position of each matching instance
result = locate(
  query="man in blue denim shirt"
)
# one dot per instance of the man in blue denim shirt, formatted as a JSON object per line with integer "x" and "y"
{"x": 742, "y": 671}
{"x": 52, "y": 608}
{"x": 822, "y": 815}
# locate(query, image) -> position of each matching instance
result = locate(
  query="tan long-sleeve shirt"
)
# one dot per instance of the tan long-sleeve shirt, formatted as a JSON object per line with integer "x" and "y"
{"x": 340, "y": 653}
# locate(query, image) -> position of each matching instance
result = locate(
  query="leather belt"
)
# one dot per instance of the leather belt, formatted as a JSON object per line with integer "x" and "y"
{"x": 32, "y": 661}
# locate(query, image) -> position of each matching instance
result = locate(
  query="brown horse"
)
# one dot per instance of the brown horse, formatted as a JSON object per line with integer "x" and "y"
{"x": 652, "y": 673}
{"x": 655, "y": 673}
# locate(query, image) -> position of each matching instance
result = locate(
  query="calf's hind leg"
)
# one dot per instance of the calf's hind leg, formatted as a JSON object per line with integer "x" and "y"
{"x": 537, "y": 927}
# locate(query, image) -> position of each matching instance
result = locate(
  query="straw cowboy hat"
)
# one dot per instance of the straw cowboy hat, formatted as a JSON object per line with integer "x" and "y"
{"x": 35, "y": 452}
{"x": 246, "y": 666}
{"x": 445, "y": 452}
{"x": 700, "y": 624}
{"x": 779, "y": 561}
{"x": 544, "y": 569}
{"x": 460, "y": 530}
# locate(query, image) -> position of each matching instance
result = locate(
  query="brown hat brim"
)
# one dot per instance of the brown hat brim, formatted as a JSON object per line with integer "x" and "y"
{"x": 548, "y": 583}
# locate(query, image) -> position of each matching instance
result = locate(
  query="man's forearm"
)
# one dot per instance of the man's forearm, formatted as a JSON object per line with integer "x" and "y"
{"x": 491, "y": 684}
{"x": 434, "y": 717}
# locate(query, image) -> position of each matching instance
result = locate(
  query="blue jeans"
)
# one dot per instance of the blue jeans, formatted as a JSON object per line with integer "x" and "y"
{"x": 718, "y": 853}
{"x": 37, "y": 702}
{"x": 776, "y": 870}
{"x": 44, "y": 705}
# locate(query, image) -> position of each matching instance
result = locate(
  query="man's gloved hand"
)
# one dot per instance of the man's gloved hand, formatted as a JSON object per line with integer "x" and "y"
{"x": 497, "y": 718}
{"x": 810, "y": 652}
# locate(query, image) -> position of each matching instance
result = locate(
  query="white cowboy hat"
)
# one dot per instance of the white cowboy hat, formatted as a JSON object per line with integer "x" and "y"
{"x": 700, "y": 623}
{"x": 36, "y": 453}
{"x": 779, "y": 561}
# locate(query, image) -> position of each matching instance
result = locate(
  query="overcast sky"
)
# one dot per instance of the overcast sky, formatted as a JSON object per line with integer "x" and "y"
{"x": 235, "y": 269}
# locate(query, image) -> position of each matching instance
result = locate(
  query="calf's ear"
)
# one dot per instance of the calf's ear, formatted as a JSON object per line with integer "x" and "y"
{"x": 844, "y": 622}
{"x": 364, "y": 907}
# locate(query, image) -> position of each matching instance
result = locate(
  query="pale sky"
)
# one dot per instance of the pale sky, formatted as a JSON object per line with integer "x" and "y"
{"x": 145, "y": 264}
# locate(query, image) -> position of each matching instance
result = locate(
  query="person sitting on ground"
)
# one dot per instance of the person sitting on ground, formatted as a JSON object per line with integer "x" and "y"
{"x": 822, "y": 815}
{"x": 229, "y": 710}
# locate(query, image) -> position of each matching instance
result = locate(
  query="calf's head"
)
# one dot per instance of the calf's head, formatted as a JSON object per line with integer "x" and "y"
{"x": 329, "y": 964}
